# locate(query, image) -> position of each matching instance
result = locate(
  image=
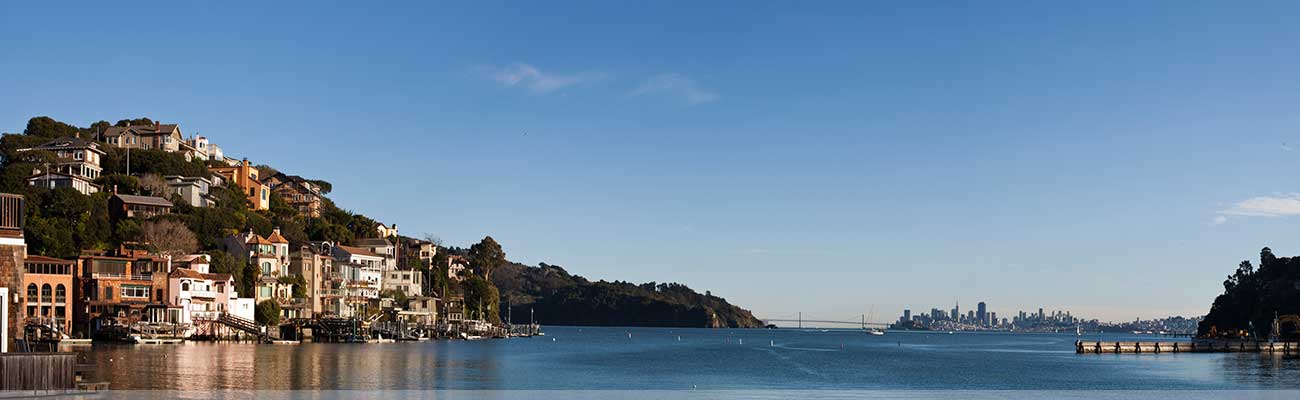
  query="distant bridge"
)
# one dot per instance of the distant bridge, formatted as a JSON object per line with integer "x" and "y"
{"x": 800, "y": 320}
{"x": 824, "y": 321}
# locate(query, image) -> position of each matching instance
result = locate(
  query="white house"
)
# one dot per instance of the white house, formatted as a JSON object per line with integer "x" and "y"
{"x": 194, "y": 189}
{"x": 205, "y": 296}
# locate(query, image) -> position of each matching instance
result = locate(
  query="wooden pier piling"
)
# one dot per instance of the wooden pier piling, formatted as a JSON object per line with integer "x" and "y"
{"x": 1196, "y": 346}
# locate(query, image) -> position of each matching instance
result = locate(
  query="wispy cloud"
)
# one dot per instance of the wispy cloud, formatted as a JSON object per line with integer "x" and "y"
{"x": 1286, "y": 147}
{"x": 1219, "y": 220}
{"x": 529, "y": 77}
{"x": 678, "y": 86}
{"x": 1265, "y": 206}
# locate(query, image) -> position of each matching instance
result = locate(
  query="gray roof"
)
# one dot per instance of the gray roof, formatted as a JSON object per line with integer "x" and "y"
{"x": 146, "y": 200}
{"x": 67, "y": 143}
{"x": 373, "y": 242}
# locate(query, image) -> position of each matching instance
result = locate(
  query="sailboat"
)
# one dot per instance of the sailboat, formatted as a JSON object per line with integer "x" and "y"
{"x": 871, "y": 331}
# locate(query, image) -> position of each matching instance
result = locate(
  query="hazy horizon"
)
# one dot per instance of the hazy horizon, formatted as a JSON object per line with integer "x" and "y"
{"x": 1115, "y": 160}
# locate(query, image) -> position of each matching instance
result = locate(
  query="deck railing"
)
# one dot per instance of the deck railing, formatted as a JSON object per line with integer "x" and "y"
{"x": 11, "y": 213}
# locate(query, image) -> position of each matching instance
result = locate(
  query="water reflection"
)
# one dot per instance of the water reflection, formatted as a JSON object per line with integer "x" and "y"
{"x": 607, "y": 358}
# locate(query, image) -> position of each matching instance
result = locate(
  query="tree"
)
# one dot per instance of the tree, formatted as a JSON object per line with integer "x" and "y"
{"x": 136, "y": 122}
{"x": 485, "y": 256}
{"x": 124, "y": 184}
{"x": 153, "y": 184}
{"x": 168, "y": 237}
{"x": 267, "y": 313}
{"x": 481, "y": 299}
{"x": 47, "y": 127}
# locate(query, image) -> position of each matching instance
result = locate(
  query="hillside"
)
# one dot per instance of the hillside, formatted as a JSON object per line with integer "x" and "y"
{"x": 1253, "y": 297}
{"x": 559, "y": 298}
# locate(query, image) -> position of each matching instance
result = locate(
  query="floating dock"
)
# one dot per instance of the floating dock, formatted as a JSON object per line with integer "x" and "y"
{"x": 1196, "y": 346}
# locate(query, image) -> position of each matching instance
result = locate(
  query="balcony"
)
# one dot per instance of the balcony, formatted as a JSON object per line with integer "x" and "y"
{"x": 11, "y": 215}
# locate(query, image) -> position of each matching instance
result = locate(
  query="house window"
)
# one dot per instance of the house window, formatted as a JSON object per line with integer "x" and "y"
{"x": 31, "y": 293}
{"x": 47, "y": 293}
{"x": 135, "y": 291}
{"x": 60, "y": 294}
{"x": 185, "y": 286}
{"x": 264, "y": 291}
{"x": 221, "y": 287}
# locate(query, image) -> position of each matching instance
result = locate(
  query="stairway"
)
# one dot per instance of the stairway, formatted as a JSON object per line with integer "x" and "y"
{"x": 242, "y": 324}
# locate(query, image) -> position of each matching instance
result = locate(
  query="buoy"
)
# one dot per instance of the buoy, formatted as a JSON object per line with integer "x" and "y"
{"x": 742, "y": 341}
{"x": 771, "y": 343}
{"x": 679, "y": 338}
{"x": 552, "y": 339}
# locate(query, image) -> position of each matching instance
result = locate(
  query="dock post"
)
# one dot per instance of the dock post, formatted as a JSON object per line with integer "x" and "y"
{"x": 1175, "y": 347}
{"x": 1116, "y": 347}
{"x": 1157, "y": 347}
{"x": 1137, "y": 347}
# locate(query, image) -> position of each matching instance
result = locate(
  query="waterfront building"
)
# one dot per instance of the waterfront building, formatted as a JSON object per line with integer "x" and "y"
{"x": 194, "y": 190}
{"x": 198, "y": 296}
{"x": 362, "y": 285}
{"x": 13, "y": 250}
{"x": 270, "y": 255}
{"x": 245, "y": 177}
{"x": 424, "y": 309}
{"x": 325, "y": 285}
{"x": 118, "y": 287}
{"x": 407, "y": 281}
{"x": 49, "y": 291}
{"x": 78, "y": 165}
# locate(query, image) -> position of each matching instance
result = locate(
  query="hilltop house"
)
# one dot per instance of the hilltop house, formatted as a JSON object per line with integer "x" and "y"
{"x": 300, "y": 193}
{"x": 245, "y": 177}
{"x": 196, "y": 148}
{"x": 49, "y": 291}
{"x": 78, "y": 165}
{"x": 456, "y": 265}
{"x": 195, "y": 190}
{"x": 165, "y": 137}
{"x": 129, "y": 206}
{"x": 385, "y": 231}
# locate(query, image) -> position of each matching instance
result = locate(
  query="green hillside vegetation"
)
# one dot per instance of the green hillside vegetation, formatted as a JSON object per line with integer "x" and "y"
{"x": 1253, "y": 297}
{"x": 63, "y": 222}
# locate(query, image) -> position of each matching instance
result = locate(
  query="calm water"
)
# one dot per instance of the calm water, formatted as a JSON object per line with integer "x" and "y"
{"x": 606, "y": 358}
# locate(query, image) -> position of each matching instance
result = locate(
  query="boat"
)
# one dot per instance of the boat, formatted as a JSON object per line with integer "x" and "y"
{"x": 875, "y": 331}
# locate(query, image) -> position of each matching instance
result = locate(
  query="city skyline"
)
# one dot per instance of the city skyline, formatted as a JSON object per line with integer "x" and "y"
{"x": 1098, "y": 156}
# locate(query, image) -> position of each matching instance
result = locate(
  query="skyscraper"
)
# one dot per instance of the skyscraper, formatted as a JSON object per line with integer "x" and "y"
{"x": 981, "y": 314}
{"x": 956, "y": 311}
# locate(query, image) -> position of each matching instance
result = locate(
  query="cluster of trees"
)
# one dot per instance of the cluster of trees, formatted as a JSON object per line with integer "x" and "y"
{"x": 556, "y": 297}
{"x": 1252, "y": 297}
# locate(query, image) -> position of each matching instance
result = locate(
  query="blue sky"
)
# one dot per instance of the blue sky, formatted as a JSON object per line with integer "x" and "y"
{"x": 1113, "y": 159}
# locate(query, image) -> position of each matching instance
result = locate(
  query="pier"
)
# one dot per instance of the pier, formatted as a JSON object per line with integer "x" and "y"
{"x": 1196, "y": 346}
